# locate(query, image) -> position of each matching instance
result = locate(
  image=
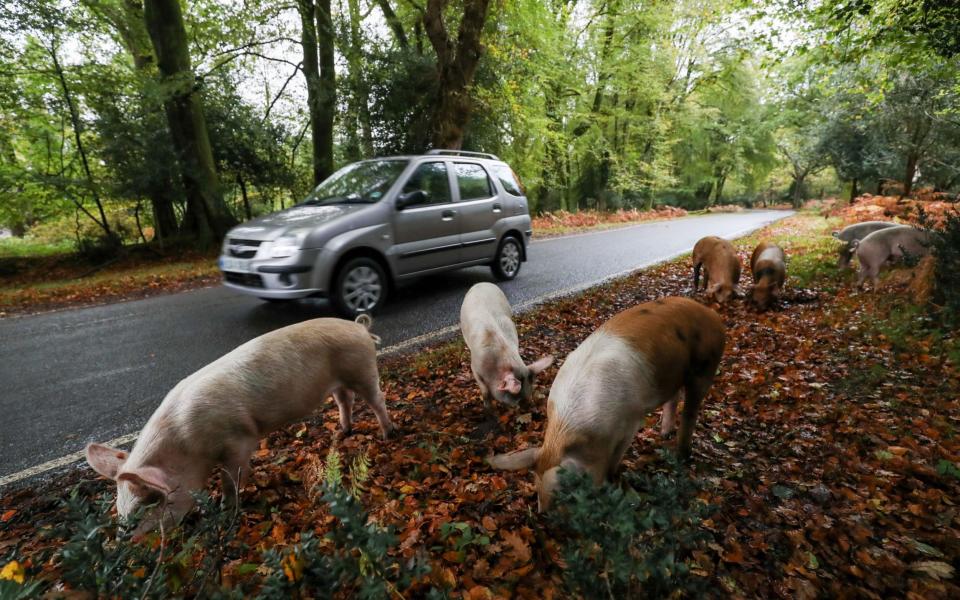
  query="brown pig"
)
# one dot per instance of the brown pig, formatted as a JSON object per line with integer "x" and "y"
{"x": 854, "y": 233}
{"x": 640, "y": 359}
{"x": 768, "y": 265}
{"x": 721, "y": 268}
{"x": 487, "y": 324}
{"x": 216, "y": 416}
{"x": 887, "y": 245}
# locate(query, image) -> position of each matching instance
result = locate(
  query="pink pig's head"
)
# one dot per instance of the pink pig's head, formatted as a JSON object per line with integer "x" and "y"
{"x": 515, "y": 385}
{"x": 145, "y": 487}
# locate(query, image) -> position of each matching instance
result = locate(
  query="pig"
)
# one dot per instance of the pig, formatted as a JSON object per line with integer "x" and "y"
{"x": 216, "y": 416}
{"x": 887, "y": 245}
{"x": 640, "y": 359}
{"x": 855, "y": 232}
{"x": 488, "y": 329}
{"x": 768, "y": 265}
{"x": 721, "y": 268}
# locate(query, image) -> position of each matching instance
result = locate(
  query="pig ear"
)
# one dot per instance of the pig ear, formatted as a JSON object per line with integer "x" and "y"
{"x": 150, "y": 477}
{"x": 105, "y": 460}
{"x": 514, "y": 461}
{"x": 509, "y": 383}
{"x": 541, "y": 364}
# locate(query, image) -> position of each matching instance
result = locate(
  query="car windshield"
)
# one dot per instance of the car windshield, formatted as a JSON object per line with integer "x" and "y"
{"x": 360, "y": 183}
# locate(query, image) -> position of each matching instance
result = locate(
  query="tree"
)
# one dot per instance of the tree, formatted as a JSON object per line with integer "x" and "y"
{"x": 317, "y": 43}
{"x": 456, "y": 65}
{"x": 207, "y": 215}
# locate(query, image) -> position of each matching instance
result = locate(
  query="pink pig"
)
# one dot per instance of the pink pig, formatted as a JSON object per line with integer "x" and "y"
{"x": 488, "y": 329}
{"x": 887, "y": 245}
{"x": 216, "y": 416}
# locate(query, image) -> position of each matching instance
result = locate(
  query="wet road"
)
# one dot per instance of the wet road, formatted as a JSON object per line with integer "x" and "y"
{"x": 95, "y": 374}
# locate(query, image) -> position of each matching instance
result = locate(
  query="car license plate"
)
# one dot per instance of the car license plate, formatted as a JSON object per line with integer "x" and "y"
{"x": 237, "y": 265}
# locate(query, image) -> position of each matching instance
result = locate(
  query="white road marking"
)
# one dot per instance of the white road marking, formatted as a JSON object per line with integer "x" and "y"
{"x": 413, "y": 342}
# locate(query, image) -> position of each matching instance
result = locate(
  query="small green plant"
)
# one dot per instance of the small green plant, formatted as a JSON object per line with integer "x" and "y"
{"x": 354, "y": 557}
{"x": 462, "y": 536}
{"x": 629, "y": 543}
{"x": 948, "y": 469}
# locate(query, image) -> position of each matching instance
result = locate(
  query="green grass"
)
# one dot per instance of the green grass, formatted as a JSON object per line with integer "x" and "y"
{"x": 26, "y": 247}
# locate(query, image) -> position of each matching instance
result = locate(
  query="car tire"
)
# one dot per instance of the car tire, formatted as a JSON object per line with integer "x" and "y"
{"x": 506, "y": 263}
{"x": 361, "y": 286}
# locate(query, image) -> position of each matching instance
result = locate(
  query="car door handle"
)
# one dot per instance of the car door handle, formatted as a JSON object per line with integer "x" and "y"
{"x": 497, "y": 207}
{"x": 447, "y": 215}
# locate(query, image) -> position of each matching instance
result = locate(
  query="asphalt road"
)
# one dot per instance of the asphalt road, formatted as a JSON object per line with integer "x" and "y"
{"x": 95, "y": 374}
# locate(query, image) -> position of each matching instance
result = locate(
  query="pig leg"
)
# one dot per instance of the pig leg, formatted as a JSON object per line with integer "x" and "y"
{"x": 236, "y": 469}
{"x": 668, "y": 419}
{"x": 374, "y": 397}
{"x": 696, "y": 277}
{"x": 693, "y": 397}
{"x": 344, "y": 400}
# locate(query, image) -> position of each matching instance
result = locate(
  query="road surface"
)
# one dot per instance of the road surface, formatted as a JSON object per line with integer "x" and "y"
{"x": 95, "y": 374}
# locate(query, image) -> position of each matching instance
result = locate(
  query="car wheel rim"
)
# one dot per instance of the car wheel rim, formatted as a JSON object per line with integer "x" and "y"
{"x": 362, "y": 289}
{"x": 510, "y": 259}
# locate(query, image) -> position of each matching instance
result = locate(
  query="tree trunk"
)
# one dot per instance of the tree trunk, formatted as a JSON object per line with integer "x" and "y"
{"x": 328, "y": 86}
{"x": 456, "y": 66}
{"x": 126, "y": 18}
{"x": 243, "y": 194}
{"x": 853, "y": 190}
{"x": 188, "y": 127}
{"x": 321, "y": 101}
{"x": 798, "y": 190}
{"x": 360, "y": 94}
{"x": 911, "y": 172}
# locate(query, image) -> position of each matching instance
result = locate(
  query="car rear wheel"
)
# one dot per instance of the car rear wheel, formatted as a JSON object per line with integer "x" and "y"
{"x": 361, "y": 287}
{"x": 506, "y": 264}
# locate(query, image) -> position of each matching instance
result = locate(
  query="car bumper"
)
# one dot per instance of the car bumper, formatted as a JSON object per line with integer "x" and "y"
{"x": 282, "y": 279}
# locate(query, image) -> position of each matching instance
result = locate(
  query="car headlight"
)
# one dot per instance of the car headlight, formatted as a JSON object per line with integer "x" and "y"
{"x": 285, "y": 245}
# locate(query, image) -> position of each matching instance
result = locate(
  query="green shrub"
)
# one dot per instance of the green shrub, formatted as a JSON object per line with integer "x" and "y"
{"x": 100, "y": 558}
{"x": 946, "y": 248}
{"x": 629, "y": 543}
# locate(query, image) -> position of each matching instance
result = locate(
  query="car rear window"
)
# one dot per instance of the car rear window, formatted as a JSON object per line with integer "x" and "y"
{"x": 473, "y": 181}
{"x": 507, "y": 179}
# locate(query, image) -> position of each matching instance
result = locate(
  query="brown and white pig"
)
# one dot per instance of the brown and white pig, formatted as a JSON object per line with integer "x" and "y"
{"x": 216, "y": 416}
{"x": 769, "y": 267}
{"x": 640, "y": 359}
{"x": 887, "y": 245}
{"x": 854, "y": 233}
{"x": 486, "y": 320}
{"x": 721, "y": 268}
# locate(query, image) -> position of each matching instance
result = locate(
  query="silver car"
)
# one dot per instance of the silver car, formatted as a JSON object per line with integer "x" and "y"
{"x": 377, "y": 222}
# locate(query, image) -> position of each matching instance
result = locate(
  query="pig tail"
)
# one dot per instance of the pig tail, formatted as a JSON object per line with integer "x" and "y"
{"x": 366, "y": 321}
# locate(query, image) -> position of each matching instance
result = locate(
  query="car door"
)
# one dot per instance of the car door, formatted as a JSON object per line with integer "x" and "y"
{"x": 480, "y": 209}
{"x": 427, "y": 233}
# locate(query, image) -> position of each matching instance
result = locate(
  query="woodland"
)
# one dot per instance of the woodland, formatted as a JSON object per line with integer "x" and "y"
{"x": 123, "y": 122}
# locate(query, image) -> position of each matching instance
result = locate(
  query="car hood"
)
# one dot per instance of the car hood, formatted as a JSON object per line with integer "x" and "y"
{"x": 272, "y": 226}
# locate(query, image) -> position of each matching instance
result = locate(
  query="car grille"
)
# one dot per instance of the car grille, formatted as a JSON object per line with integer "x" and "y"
{"x": 244, "y": 279}
{"x": 243, "y": 248}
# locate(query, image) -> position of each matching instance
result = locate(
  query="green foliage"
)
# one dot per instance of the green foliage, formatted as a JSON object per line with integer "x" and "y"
{"x": 630, "y": 543}
{"x": 946, "y": 248}
{"x": 99, "y": 556}
{"x": 354, "y": 556}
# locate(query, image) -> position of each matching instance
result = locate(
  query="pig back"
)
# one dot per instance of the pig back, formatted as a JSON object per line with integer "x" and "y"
{"x": 858, "y": 231}
{"x": 486, "y": 310}
{"x": 680, "y": 339}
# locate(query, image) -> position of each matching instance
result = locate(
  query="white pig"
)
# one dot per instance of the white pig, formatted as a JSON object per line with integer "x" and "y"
{"x": 216, "y": 416}
{"x": 854, "y": 233}
{"x": 488, "y": 329}
{"x": 640, "y": 359}
{"x": 889, "y": 244}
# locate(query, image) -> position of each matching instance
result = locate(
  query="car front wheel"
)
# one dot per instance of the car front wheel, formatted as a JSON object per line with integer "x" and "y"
{"x": 506, "y": 264}
{"x": 361, "y": 287}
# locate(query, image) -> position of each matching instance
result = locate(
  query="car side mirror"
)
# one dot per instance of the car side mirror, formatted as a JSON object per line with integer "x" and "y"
{"x": 411, "y": 198}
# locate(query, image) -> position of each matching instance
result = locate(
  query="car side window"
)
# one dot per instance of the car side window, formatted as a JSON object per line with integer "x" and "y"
{"x": 473, "y": 181}
{"x": 508, "y": 179}
{"x": 430, "y": 177}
